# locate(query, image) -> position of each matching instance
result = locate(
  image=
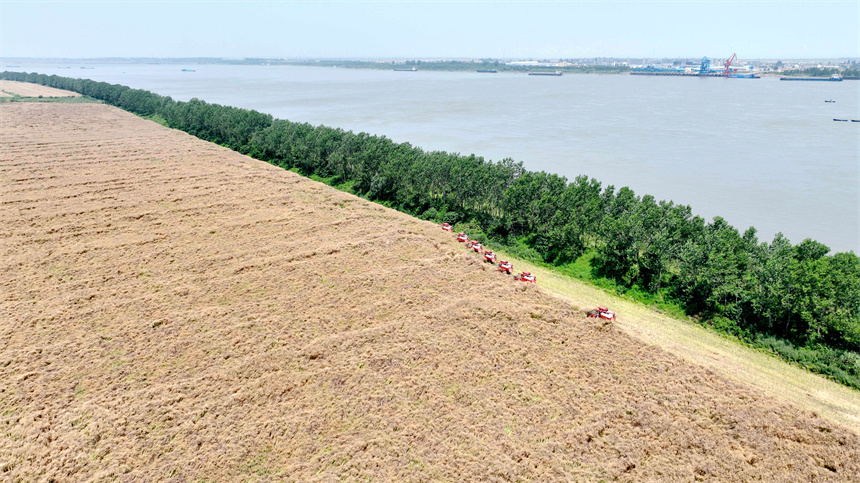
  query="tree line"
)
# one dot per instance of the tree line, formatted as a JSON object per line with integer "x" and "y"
{"x": 797, "y": 300}
{"x": 852, "y": 71}
{"x": 458, "y": 65}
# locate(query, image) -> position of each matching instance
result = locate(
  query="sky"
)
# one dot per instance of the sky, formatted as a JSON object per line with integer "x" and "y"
{"x": 439, "y": 29}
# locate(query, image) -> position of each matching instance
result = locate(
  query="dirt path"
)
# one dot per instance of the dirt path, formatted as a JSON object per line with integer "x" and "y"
{"x": 171, "y": 309}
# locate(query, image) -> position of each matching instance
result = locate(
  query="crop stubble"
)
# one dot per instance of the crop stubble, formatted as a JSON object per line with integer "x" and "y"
{"x": 172, "y": 308}
{"x": 27, "y": 89}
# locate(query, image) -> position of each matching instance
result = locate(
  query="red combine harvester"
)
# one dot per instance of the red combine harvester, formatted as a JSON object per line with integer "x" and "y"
{"x": 462, "y": 237}
{"x": 477, "y": 247}
{"x": 489, "y": 256}
{"x": 601, "y": 312}
{"x": 447, "y": 227}
{"x": 506, "y": 266}
{"x": 526, "y": 277}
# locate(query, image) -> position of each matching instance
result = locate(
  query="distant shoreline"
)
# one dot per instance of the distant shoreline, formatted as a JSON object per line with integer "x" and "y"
{"x": 596, "y": 65}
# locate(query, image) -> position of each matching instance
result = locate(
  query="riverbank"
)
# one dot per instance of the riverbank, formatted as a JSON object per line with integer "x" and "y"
{"x": 459, "y": 66}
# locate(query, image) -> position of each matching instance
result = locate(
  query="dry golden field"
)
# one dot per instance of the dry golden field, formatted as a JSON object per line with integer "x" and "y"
{"x": 26, "y": 89}
{"x": 708, "y": 349}
{"x": 170, "y": 309}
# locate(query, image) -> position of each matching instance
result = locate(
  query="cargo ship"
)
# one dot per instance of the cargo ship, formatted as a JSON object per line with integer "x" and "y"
{"x": 833, "y": 78}
{"x": 487, "y": 71}
{"x": 556, "y": 73}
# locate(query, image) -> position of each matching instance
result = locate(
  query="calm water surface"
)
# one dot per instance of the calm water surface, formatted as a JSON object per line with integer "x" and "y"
{"x": 758, "y": 152}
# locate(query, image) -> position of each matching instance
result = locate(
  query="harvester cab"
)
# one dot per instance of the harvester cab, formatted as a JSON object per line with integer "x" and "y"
{"x": 506, "y": 266}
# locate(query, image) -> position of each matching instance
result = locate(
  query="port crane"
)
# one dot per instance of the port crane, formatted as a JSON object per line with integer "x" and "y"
{"x": 728, "y": 63}
{"x": 705, "y": 66}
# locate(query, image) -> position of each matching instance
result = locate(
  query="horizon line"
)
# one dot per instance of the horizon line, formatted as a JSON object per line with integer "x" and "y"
{"x": 394, "y": 58}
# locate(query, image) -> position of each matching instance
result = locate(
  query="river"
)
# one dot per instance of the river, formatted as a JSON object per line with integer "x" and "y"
{"x": 758, "y": 152}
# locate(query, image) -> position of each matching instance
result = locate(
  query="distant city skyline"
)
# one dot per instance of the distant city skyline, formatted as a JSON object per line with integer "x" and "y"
{"x": 510, "y": 60}
{"x": 408, "y": 29}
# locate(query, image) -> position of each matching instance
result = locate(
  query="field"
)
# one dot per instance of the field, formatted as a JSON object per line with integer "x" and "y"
{"x": 172, "y": 309}
{"x": 708, "y": 349}
{"x": 26, "y": 89}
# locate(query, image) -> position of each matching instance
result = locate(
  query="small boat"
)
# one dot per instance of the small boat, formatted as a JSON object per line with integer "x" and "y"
{"x": 855, "y": 120}
{"x": 830, "y": 101}
{"x": 840, "y": 120}
{"x": 487, "y": 71}
{"x": 406, "y": 70}
{"x": 188, "y": 70}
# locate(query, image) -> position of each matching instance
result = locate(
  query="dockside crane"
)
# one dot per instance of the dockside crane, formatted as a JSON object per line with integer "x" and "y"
{"x": 728, "y": 63}
{"x": 705, "y": 66}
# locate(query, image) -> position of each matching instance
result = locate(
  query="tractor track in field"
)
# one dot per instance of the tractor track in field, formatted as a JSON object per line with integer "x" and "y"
{"x": 172, "y": 309}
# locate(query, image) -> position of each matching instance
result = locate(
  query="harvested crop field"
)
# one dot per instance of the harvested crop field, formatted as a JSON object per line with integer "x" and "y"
{"x": 172, "y": 309}
{"x": 709, "y": 349}
{"x": 26, "y": 89}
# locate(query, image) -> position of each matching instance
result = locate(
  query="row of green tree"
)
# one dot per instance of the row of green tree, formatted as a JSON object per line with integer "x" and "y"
{"x": 800, "y": 296}
{"x": 851, "y": 71}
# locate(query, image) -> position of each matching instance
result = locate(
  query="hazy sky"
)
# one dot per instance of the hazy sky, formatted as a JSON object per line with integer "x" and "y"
{"x": 765, "y": 30}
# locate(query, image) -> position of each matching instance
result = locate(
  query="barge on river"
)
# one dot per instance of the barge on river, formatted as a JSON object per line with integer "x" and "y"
{"x": 833, "y": 78}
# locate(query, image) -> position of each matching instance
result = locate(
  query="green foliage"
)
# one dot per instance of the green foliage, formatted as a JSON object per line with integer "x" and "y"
{"x": 450, "y": 217}
{"x": 156, "y": 118}
{"x": 851, "y": 72}
{"x": 812, "y": 72}
{"x": 841, "y": 365}
{"x": 431, "y": 214}
{"x": 655, "y": 252}
{"x": 581, "y": 268}
{"x": 730, "y": 327}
